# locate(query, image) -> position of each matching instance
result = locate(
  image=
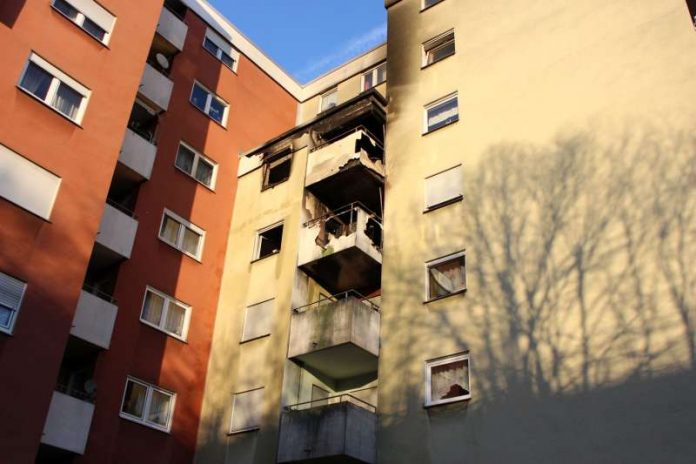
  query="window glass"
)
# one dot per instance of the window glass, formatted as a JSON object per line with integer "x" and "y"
{"x": 427, "y": 3}
{"x": 92, "y": 28}
{"x": 217, "y": 110}
{"x": 176, "y": 315}
{"x": 442, "y": 113}
{"x": 11, "y": 294}
{"x": 447, "y": 380}
{"x": 439, "y": 48}
{"x": 159, "y": 408}
{"x": 153, "y": 307}
{"x": 184, "y": 159}
{"x": 210, "y": 46}
{"x": 204, "y": 172}
{"x": 329, "y": 100}
{"x": 199, "y": 97}
{"x": 446, "y": 276}
{"x": 36, "y": 81}
{"x": 190, "y": 242}
{"x": 170, "y": 230}
{"x": 134, "y": 400}
{"x": 67, "y": 101}
{"x": 66, "y": 9}
{"x": 227, "y": 60}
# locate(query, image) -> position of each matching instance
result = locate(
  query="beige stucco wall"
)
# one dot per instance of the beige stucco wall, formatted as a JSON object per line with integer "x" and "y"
{"x": 575, "y": 137}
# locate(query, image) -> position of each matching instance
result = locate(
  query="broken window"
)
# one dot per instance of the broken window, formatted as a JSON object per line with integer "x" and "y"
{"x": 447, "y": 380}
{"x": 445, "y": 276}
{"x": 277, "y": 169}
{"x": 268, "y": 241}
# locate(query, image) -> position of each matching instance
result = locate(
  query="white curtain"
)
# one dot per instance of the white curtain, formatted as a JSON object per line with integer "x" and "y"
{"x": 159, "y": 408}
{"x": 175, "y": 319}
{"x": 67, "y": 101}
{"x": 190, "y": 244}
{"x": 152, "y": 312}
{"x": 447, "y": 278}
{"x": 450, "y": 380}
{"x": 184, "y": 159}
{"x": 135, "y": 399}
{"x": 170, "y": 230}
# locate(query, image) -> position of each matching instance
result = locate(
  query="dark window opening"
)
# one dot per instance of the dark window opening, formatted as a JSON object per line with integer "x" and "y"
{"x": 143, "y": 121}
{"x": 177, "y": 7}
{"x": 269, "y": 241}
{"x": 691, "y": 5}
{"x": 277, "y": 169}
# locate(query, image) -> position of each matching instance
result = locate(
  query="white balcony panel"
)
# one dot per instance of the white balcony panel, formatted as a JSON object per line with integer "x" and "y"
{"x": 138, "y": 154}
{"x": 172, "y": 28}
{"x": 117, "y": 231}
{"x": 156, "y": 87}
{"x": 94, "y": 320}
{"x": 68, "y": 422}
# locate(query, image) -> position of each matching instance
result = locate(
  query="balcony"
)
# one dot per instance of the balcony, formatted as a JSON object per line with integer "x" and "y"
{"x": 68, "y": 422}
{"x": 94, "y": 318}
{"x": 117, "y": 231}
{"x": 349, "y": 168}
{"x": 137, "y": 154}
{"x": 342, "y": 250}
{"x": 171, "y": 28}
{"x": 156, "y": 88}
{"x": 336, "y": 338}
{"x": 342, "y": 431}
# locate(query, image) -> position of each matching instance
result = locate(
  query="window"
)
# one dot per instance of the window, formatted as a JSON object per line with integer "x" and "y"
{"x": 268, "y": 241}
{"x": 374, "y": 77}
{"x": 445, "y": 276}
{"x": 257, "y": 320}
{"x": 328, "y": 100}
{"x": 89, "y": 16}
{"x": 443, "y": 188}
{"x": 182, "y": 235}
{"x": 221, "y": 49}
{"x": 447, "y": 379}
{"x": 11, "y": 295}
{"x": 277, "y": 169}
{"x": 165, "y": 313}
{"x": 54, "y": 88}
{"x": 438, "y": 48}
{"x": 209, "y": 103}
{"x": 196, "y": 165}
{"x": 246, "y": 411}
{"x": 441, "y": 113}
{"x": 147, "y": 404}
{"x": 27, "y": 184}
{"x": 429, "y": 3}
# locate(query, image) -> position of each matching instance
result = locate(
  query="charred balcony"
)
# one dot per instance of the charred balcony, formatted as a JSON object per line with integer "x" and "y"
{"x": 342, "y": 250}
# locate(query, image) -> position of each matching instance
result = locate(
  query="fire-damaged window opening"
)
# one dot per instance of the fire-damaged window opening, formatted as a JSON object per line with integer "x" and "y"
{"x": 268, "y": 241}
{"x": 691, "y": 5}
{"x": 277, "y": 169}
{"x": 343, "y": 222}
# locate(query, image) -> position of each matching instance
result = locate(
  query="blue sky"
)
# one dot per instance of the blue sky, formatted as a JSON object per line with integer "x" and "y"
{"x": 309, "y": 37}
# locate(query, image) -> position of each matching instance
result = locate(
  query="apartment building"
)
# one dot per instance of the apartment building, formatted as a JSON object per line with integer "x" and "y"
{"x": 477, "y": 250}
{"x": 119, "y": 139}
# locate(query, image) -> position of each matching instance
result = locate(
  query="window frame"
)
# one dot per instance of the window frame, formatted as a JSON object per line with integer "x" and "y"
{"x": 168, "y": 300}
{"x": 322, "y": 97}
{"x": 208, "y": 103}
{"x": 14, "y": 312}
{"x": 440, "y": 101}
{"x": 374, "y": 72}
{"x": 183, "y": 224}
{"x": 267, "y": 333}
{"x": 79, "y": 21}
{"x": 197, "y": 156}
{"x": 211, "y": 36}
{"x": 436, "y": 43}
{"x": 146, "y": 405}
{"x": 444, "y": 259}
{"x": 245, "y": 429}
{"x": 58, "y": 77}
{"x": 443, "y": 203}
{"x": 443, "y": 360}
{"x": 426, "y": 7}
{"x": 257, "y": 243}
{"x": 272, "y": 161}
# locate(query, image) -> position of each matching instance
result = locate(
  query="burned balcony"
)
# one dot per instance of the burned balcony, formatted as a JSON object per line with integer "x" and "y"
{"x": 347, "y": 168}
{"x": 337, "y": 338}
{"x": 342, "y": 250}
{"x": 339, "y": 430}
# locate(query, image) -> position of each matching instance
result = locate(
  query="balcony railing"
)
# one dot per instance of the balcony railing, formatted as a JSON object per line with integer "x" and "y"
{"x": 336, "y": 298}
{"x": 344, "y": 222}
{"x": 342, "y": 398}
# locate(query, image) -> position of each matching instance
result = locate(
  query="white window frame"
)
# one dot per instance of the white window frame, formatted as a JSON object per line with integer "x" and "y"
{"x": 444, "y": 259}
{"x": 14, "y": 311}
{"x": 183, "y": 223}
{"x": 168, "y": 300}
{"x": 218, "y": 41}
{"x": 246, "y": 318}
{"x": 374, "y": 72}
{"x": 209, "y": 99}
{"x": 323, "y": 96}
{"x": 146, "y": 406}
{"x": 79, "y": 21}
{"x": 246, "y": 429}
{"x": 439, "y": 362}
{"x": 435, "y": 43}
{"x": 436, "y": 103}
{"x": 446, "y": 201}
{"x": 196, "y": 159}
{"x": 257, "y": 244}
{"x": 59, "y": 77}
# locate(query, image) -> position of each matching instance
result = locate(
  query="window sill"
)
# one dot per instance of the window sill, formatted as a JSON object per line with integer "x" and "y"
{"x": 160, "y": 330}
{"x": 224, "y": 126}
{"x": 441, "y": 127}
{"x": 438, "y": 298}
{"x": 426, "y": 66}
{"x": 250, "y": 429}
{"x": 259, "y": 337}
{"x": 198, "y": 260}
{"x": 34, "y": 97}
{"x": 264, "y": 257}
{"x": 189, "y": 176}
{"x": 451, "y": 201}
{"x": 144, "y": 424}
{"x": 460, "y": 399}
